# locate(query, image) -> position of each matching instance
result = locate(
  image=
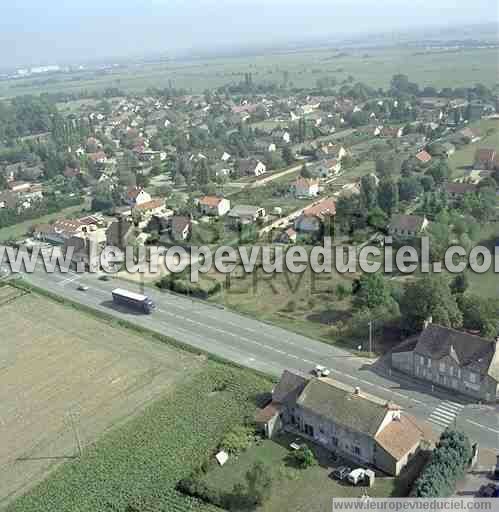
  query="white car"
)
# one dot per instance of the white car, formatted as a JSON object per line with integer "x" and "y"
{"x": 321, "y": 371}
{"x": 356, "y": 476}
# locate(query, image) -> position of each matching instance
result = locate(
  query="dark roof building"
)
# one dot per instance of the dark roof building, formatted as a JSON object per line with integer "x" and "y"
{"x": 453, "y": 359}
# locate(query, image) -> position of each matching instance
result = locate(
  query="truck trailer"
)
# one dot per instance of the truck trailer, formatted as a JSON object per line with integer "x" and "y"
{"x": 133, "y": 300}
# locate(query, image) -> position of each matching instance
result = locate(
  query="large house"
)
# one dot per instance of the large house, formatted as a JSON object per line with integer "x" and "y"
{"x": 312, "y": 219}
{"x": 245, "y": 214}
{"x": 213, "y": 205}
{"x": 452, "y": 359}
{"x": 58, "y": 232}
{"x": 136, "y": 196}
{"x": 87, "y": 248}
{"x": 252, "y": 167}
{"x": 407, "y": 226}
{"x": 344, "y": 420}
{"x": 456, "y": 191}
{"x": 305, "y": 188}
{"x": 485, "y": 159}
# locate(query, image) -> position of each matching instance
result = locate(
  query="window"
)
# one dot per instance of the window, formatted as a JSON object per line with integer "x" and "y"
{"x": 335, "y": 441}
{"x": 356, "y": 450}
{"x": 309, "y": 430}
{"x": 442, "y": 367}
{"x": 428, "y": 363}
{"x": 451, "y": 370}
{"x": 421, "y": 359}
{"x": 321, "y": 430}
{"x": 473, "y": 378}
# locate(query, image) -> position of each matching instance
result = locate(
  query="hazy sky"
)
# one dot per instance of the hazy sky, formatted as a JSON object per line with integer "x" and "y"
{"x": 49, "y": 31}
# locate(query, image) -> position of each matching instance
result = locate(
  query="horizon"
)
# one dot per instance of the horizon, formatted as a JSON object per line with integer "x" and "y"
{"x": 33, "y": 35}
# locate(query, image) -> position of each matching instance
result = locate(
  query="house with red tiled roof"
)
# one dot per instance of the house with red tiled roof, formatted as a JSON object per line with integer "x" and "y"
{"x": 214, "y": 205}
{"x": 311, "y": 220}
{"x": 423, "y": 156}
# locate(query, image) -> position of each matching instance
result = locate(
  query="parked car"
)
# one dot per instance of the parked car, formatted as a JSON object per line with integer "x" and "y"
{"x": 82, "y": 288}
{"x": 341, "y": 473}
{"x": 320, "y": 371}
{"x": 356, "y": 476}
{"x": 104, "y": 277}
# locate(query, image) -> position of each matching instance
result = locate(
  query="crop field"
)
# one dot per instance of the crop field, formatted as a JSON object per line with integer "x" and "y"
{"x": 139, "y": 464}
{"x": 65, "y": 379}
{"x": 375, "y": 67}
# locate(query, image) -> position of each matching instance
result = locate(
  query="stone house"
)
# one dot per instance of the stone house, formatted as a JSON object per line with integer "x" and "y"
{"x": 452, "y": 359}
{"x": 361, "y": 427}
{"x": 407, "y": 226}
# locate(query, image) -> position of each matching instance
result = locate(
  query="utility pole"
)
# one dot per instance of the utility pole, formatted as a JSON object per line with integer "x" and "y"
{"x": 75, "y": 432}
{"x": 370, "y": 336}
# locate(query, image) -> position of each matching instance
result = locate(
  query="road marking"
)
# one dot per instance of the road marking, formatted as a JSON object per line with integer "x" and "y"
{"x": 399, "y": 394}
{"x": 445, "y": 413}
{"x": 490, "y": 429}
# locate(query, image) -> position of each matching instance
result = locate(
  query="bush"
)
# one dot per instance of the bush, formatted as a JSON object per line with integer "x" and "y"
{"x": 303, "y": 458}
{"x": 201, "y": 290}
{"x": 237, "y": 440}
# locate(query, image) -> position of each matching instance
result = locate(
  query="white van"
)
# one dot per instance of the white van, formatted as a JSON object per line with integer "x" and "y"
{"x": 356, "y": 476}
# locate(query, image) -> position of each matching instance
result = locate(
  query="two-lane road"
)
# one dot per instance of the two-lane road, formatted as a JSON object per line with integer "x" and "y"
{"x": 271, "y": 349}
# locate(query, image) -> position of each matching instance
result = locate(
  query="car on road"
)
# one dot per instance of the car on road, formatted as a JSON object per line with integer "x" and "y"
{"x": 340, "y": 473}
{"x": 104, "y": 277}
{"x": 82, "y": 288}
{"x": 320, "y": 371}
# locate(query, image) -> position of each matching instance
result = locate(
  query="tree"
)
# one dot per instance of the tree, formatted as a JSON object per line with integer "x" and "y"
{"x": 429, "y": 297}
{"x": 237, "y": 440}
{"x": 287, "y": 155}
{"x": 377, "y": 218}
{"x": 460, "y": 283}
{"x": 259, "y": 481}
{"x": 447, "y": 465}
{"x": 428, "y": 183}
{"x": 305, "y": 172}
{"x": 368, "y": 192}
{"x": 409, "y": 188}
{"x": 479, "y": 314}
{"x": 439, "y": 171}
{"x": 303, "y": 458}
{"x": 388, "y": 195}
{"x": 387, "y": 166}
{"x": 371, "y": 291}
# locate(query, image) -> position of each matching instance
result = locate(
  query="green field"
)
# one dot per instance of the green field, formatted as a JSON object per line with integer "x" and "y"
{"x": 141, "y": 462}
{"x": 374, "y": 67}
